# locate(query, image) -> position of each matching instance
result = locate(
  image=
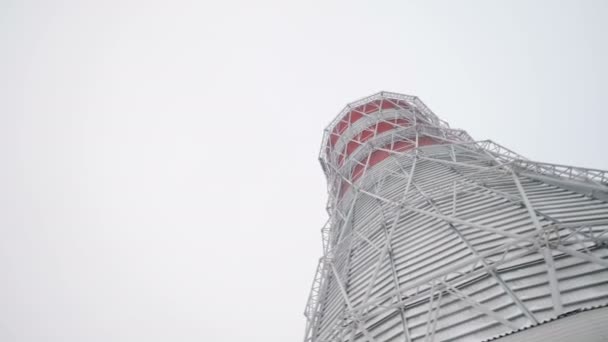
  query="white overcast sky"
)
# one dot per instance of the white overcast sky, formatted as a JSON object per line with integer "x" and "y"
{"x": 159, "y": 177}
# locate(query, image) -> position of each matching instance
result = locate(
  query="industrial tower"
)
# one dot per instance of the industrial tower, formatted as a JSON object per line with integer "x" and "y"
{"x": 434, "y": 236}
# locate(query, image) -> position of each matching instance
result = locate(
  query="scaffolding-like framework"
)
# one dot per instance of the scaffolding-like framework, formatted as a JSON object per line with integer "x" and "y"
{"x": 433, "y": 236}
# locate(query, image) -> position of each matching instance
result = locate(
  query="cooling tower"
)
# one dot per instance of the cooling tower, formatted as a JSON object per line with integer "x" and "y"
{"x": 435, "y": 236}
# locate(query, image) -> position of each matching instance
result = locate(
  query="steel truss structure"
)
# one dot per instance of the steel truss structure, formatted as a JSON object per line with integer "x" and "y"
{"x": 433, "y": 236}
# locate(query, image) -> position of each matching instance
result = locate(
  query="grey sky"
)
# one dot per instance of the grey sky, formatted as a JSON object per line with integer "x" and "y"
{"x": 159, "y": 179}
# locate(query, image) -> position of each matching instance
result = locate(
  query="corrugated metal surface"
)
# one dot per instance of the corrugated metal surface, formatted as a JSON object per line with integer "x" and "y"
{"x": 452, "y": 241}
{"x": 587, "y": 325}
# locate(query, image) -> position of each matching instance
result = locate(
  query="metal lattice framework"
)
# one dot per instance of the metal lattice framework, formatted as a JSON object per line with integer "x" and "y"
{"x": 433, "y": 236}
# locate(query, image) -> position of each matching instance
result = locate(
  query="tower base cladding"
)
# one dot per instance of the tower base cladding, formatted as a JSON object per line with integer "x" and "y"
{"x": 435, "y": 236}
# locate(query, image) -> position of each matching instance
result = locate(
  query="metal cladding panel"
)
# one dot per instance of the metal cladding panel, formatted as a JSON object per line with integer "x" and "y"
{"x": 585, "y": 326}
{"x": 433, "y": 236}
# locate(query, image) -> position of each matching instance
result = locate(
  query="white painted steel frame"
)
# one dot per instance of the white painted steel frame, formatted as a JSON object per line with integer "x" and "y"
{"x": 458, "y": 240}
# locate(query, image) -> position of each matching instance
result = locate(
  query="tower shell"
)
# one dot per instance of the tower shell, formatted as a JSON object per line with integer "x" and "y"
{"x": 435, "y": 236}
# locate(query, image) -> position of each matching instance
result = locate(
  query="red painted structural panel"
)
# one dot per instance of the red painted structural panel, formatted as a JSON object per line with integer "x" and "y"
{"x": 358, "y": 112}
{"x": 369, "y": 133}
{"x": 379, "y": 155}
